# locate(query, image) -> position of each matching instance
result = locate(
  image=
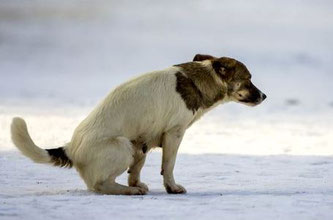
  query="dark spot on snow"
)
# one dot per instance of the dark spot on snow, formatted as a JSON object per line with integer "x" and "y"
{"x": 306, "y": 59}
{"x": 292, "y": 102}
{"x": 320, "y": 163}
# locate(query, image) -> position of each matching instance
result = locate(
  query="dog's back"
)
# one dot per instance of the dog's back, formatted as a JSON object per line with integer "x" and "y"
{"x": 146, "y": 105}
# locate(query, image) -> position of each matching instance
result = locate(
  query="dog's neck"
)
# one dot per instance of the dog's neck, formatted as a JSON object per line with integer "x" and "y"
{"x": 199, "y": 86}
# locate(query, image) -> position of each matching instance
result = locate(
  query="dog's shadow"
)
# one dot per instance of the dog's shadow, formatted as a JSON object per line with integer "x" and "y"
{"x": 155, "y": 194}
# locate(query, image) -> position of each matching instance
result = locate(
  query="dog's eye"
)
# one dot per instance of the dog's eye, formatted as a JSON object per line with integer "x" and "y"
{"x": 240, "y": 95}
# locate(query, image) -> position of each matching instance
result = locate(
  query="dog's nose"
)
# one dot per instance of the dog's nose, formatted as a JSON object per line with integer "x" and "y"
{"x": 264, "y": 97}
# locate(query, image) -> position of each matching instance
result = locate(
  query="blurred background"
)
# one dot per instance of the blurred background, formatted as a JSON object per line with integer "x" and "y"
{"x": 57, "y": 54}
{"x": 59, "y": 58}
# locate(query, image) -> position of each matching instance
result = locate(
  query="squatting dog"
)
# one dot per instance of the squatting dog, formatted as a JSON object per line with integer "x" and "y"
{"x": 152, "y": 110}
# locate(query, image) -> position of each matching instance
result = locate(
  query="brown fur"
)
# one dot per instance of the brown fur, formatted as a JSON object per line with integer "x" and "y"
{"x": 197, "y": 86}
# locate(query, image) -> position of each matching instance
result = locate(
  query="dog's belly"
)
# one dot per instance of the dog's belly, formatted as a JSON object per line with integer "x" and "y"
{"x": 150, "y": 135}
{"x": 150, "y": 129}
{"x": 144, "y": 143}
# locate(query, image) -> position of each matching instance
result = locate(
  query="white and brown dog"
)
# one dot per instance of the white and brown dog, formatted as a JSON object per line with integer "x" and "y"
{"x": 153, "y": 110}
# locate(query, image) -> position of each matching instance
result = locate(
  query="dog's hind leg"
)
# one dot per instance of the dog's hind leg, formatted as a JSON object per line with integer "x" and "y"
{"x": 109, "y": 186}
{"x": 135, "y": 169}
{"x": 106, "y": 161}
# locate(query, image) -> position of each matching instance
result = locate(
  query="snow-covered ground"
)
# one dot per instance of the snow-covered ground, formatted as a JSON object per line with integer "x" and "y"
{"x": 59, "y": 58}
{"x": 219, "y": 187}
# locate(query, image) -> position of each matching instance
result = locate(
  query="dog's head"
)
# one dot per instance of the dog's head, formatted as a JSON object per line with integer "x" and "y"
{"x": 237, "y": 77}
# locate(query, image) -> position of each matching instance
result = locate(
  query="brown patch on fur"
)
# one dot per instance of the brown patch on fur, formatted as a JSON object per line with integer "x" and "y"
{"x": 197, "y": 86}
{"x": 230, "y": 69}
{"x": 59, "y": 157}
{"x": 189, "y": 92}
{"x": 224, "y": 67}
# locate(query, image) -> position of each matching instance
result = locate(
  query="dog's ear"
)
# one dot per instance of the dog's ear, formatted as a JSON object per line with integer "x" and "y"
{"x": 201, "y": 57}
{"x": 224, "y": 66}
{"x": 227, "y": 62}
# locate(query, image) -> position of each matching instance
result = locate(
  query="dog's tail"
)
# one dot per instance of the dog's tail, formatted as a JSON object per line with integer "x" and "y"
{"x": 24, "y": 143}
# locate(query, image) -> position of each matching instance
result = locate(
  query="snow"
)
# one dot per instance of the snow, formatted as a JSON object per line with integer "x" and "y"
{"x": 219, "y": 186}
{"x": 59, "y": 58}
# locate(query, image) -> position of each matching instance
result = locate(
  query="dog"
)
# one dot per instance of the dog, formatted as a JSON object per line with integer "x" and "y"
{"x": 152, "y": 110}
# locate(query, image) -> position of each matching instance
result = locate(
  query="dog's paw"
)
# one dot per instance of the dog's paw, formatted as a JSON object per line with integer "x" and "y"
{"x": 138, "y": 191}
{"x": 143, "y": 186}
{"x": 175, "y": 189}
{"x": 140, "y": 185}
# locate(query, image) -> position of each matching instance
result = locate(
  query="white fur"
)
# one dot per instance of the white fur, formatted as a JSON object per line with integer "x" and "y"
{"x": 24, "y": 143}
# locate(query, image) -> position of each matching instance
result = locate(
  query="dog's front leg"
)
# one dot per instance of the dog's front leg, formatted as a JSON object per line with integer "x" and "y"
{"x": 170, "y": 144}
{"x": 134, "y": 171}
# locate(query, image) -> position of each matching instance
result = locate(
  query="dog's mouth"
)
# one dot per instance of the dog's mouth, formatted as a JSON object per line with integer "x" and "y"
{"x": 251, "y": 102}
